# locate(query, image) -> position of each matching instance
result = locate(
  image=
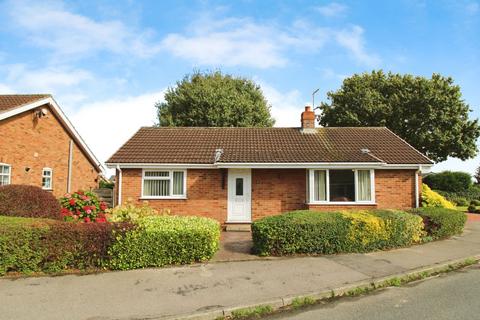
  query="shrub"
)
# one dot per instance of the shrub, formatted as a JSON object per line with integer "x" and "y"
{"x": 473, "y": 193}
{"x": 460, "y": 201}
{"x": 471, "y": 208}
{"x": 449, "y": 181}
{"x": 165, "y": 240}
{"x": 83, "y": 206}
{"x": 334, "y": 232}
{"x": 442, "y": 223}
{"x": 128, "y": 212}
{"x": 475, "y": 202}
{"x": 431, "y": 198}
{"x": 28, "y": 201}
{"x": 33, "y": 245}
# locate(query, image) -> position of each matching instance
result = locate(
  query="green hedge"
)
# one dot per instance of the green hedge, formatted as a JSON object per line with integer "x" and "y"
{"x": 42, "y": 245}
{"x": 165, "y": 240}
{"x": 442, "y": 223}
{"x": 333, "y": 232}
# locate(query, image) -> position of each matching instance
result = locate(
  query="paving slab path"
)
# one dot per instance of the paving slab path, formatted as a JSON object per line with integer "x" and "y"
{"x": 170, "y": 292}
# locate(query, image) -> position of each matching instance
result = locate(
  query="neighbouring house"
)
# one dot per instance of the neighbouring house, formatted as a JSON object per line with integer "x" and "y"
{"x": 237, "y": 175}
{"x": 39, "y": 146}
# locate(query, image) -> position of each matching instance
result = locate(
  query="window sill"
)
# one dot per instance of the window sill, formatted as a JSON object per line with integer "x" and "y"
{"x": 163, "y": 198}
{"x": 47, "y": 189}
{"x": 342, "y": 203}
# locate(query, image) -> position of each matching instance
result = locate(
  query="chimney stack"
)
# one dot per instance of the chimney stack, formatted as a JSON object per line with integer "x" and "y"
{"x": 308, "y": 120}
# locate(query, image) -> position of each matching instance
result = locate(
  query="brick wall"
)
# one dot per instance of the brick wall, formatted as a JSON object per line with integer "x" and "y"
{"x": 273, "y": 191}
{"x": 206, "y": 197}
{"x": 29, "y": 142}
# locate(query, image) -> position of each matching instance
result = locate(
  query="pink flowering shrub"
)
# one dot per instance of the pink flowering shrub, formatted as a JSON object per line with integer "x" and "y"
{"x": 83, "y": 206}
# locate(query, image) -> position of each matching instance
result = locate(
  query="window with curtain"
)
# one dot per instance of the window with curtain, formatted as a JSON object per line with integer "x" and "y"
{"x": 5, "y": 174}
{"x": 47, "y": 174}
{"x": 345, "y": 185}
{"x": 364, "y": 185}
{"x": 163, "y": 183}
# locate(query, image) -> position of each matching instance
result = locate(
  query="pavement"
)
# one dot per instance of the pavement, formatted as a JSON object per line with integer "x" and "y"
{"x": 210, "y": 289}
{"x": 449, "y": 296}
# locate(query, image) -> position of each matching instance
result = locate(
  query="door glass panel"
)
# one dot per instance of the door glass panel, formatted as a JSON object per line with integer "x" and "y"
{"x": 239, "y": 186}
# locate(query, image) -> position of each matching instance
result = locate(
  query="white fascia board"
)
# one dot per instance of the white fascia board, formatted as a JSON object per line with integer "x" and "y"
{"x": 58, "y": 111}
{"x": 309, "y": 165}
{"x": 161, "y": 165}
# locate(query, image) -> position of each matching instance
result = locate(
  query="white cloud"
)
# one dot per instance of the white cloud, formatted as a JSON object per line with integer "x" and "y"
{"x": 332, "y": 9}
{"x": 352, "y": 40}
{"x": 286, "y": 107}
{"x": 68, "y": 34}
{"x": 107, "y": 125}
{"x": 244, "y": 42}
{"x": 472, "y": 8}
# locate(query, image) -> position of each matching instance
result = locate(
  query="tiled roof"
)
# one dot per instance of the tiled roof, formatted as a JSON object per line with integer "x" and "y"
{"x": 11, "y": 101}
{"x": 266, "y": 145}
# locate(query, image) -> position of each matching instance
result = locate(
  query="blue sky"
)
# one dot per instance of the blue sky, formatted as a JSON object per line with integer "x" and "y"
{"x": 107, "y": 62}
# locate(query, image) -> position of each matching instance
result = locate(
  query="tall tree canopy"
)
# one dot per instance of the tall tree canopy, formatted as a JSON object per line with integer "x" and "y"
{"x": 214, "y": 100}
{"x": 430, "y": 114}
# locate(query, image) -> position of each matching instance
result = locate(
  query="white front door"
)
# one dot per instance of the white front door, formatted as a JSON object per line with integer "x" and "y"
{"x": 239, "y": 195}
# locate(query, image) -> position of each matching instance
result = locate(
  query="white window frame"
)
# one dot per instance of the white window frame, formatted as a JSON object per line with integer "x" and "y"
{"x": 9, "y": 173}
{"x": 170, "y": 178}
{"x": 327, "y": 181}
{"x": 50, "y": 177}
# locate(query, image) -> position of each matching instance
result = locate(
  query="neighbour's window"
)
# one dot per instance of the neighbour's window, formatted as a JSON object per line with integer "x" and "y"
{"x": 5, "y": 174}
{"x": 341, "y": 185}
{"x": 47, "y": 178}
{"x": 163, "y": 183}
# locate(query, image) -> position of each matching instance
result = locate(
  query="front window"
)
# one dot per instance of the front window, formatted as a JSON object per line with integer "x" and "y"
{"x": 47, "y": 175}
{"x": 164, "y": 184}
{"x": 5, "y": 174}
{"x": 332, "y": 186}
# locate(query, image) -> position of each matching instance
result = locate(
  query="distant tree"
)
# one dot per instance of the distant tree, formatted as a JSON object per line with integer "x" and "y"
{"x": 477, "y": 175}
{"x": 452, "y": 181}
{"x": 430, "y": 114}
{"x": 214, "y": 100}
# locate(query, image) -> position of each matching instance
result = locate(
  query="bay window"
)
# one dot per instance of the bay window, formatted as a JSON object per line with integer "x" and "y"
{"x": 164, "y": 184}
{"x": 341, "y": 186}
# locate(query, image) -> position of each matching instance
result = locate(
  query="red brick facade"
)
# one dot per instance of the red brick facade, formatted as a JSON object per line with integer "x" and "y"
{"x": 273, "y": 191}
{"x": 29, "y": 144}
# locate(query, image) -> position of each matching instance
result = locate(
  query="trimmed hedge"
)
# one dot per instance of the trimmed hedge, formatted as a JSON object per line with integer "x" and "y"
{"x": 449, "y": 180}
{"x": 441, "y": 223}
{"x": 333, "y": 232}
{"x": 34, "y": 245}
{"x": 28, "y": 201}
{"x": 165, "y": 240}
{"x": 43, "y": 245}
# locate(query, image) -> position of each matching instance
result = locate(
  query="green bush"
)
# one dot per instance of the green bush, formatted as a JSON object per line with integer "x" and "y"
{"x": 475, "y": 202}
{"x": 472, "y": 193}
{"x": 442, "y": 223}
{"x": 165, "y": 240}
{"x": 333, "y": 232}
{"x": 432, "y": 199}
{"x": 34, "y": 245}
{"x": 452, "y": 181}
{"x": 471, "y": 208}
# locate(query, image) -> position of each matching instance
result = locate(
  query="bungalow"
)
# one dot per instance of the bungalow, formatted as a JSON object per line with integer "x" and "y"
{"x": 237, "y": 175}
{"x": 39, "y": 146}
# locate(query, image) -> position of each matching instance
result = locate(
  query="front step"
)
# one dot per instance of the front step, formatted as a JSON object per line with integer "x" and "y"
{"x": 246, "y": 227}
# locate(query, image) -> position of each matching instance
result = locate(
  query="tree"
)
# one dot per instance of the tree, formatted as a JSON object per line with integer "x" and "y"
{"x": 430, "y": 114}
{"x": 477, "y": 176}
{"x": 453, "y": 181}
{"x": 214, "y": 100}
